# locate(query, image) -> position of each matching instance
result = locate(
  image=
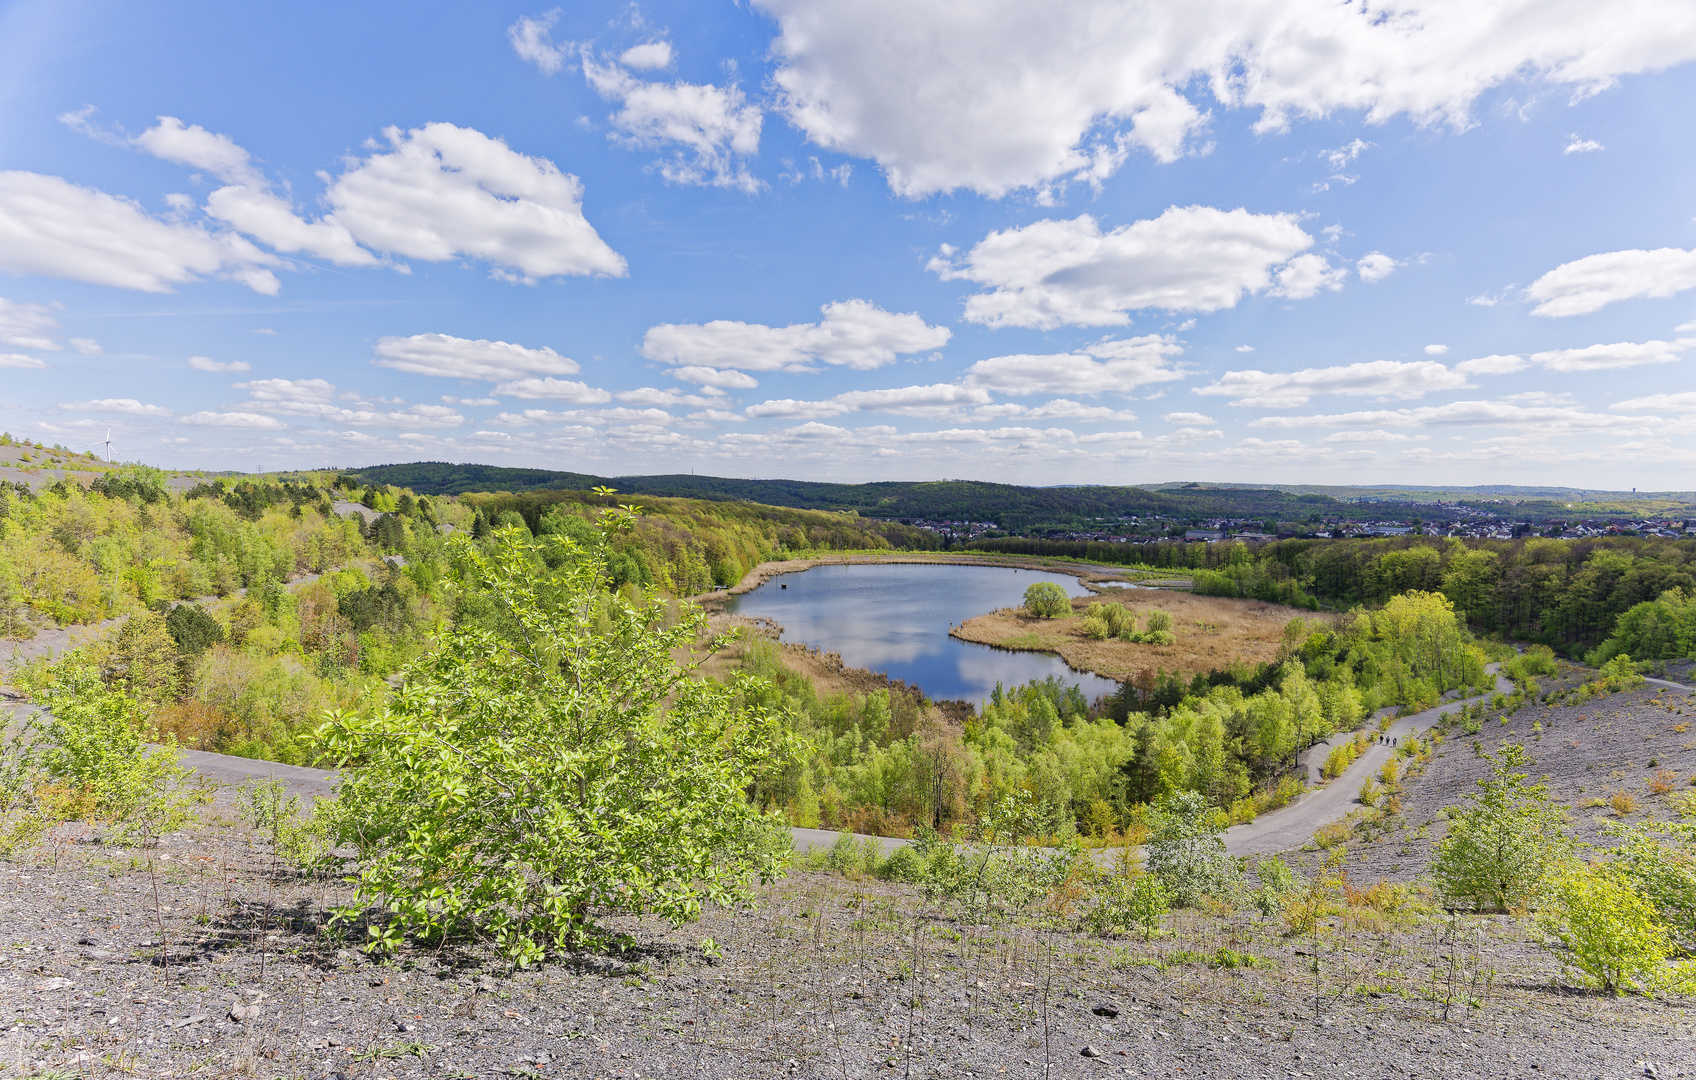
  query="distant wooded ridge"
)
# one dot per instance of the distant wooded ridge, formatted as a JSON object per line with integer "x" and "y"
{"x": 1014, "y": 507}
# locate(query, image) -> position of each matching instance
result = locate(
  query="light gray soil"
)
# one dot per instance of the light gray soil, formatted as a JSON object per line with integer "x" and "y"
{"x": 203, "y": 958}
{"x": 1619, "y": 743}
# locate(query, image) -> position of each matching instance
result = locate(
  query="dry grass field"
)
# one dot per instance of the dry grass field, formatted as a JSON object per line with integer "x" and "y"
{"x": 1212, "y": 632}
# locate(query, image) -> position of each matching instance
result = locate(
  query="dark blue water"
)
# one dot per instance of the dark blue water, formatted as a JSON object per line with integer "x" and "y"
{"x": 895, "y": 618}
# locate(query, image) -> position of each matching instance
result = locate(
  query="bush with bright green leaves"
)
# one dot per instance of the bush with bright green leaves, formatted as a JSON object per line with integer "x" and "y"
{"x": 86, "y": 757}
{"x": 1185, "y": 849}
{"x": 1277, "y": 885}
{"x": 989, "y": 870}
{"x": 1500, "y": 846}
{"x": 1602, "y": 928}
{"x": 551, "y": 764}
{"x": 1658, "y": 861}
{"x": 1046, "y": 600}
{"x": 1130, "y": 902}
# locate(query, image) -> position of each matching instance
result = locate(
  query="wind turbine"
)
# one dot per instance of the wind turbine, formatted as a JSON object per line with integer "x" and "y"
{"x": 108, "y": 443}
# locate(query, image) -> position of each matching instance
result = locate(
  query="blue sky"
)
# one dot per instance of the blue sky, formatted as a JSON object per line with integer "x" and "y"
{"x": 1280, "y": 241}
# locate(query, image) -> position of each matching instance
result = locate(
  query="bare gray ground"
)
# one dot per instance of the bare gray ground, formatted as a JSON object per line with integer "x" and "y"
{"x": 1586, "y": 753}
{"x": 204, "y": 959}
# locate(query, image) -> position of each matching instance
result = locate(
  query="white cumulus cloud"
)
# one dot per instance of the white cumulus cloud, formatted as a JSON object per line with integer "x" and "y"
{"x": 853, "y": 333}
{"x": 55, "y": 228}
{"x": 1384, "y": 379}
{"x": 1591, "y": 283}
{"x": 532, "y": 40}
{"x": 1306, "y": 276}
{"x": 1494, "y": 364}
{"x": 552, "y": 389}
{"x": 316, "y": 398}
{"x": 18, "y": 361}
{"x": 246, "y": 202}
{"x": 465, "y": 358}
{"x": 647, "y": 56}
{"x": 723, "y": 378}
{"x": 1578, "y": 145}
{"x": 1683, "y": 401}
{"x": 938, "y": 400}
{"x": 1436, "y": 350}
{"x": 443, "y": 192}
{"x": 248, "y": 421}
{"x": 1622, "y": 354}
{"x": 1545, "y": 419}
{"x": 1375, "y": 267}
{"x": 121, "y": 406}
{"x": 206, "y": 363}
{"x": 997, "y": 95}
{"x": 1191, "y": 258}
{"x": 1114, "y": 367}
{"x": 713, "y": 130}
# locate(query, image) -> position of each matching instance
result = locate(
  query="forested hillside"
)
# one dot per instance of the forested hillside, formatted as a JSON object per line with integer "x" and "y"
{"x": 1009, "y": 506}
{"x": 688, "y": 546}
{"x": 1017, "y": 509}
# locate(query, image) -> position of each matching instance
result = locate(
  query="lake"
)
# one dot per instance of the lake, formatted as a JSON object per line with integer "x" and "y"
{"x": 894, "y": 618}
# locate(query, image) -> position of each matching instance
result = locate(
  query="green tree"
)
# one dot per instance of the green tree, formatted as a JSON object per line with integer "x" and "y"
{"x": 1602, "y": 927}
{"x": 1500, "y": 846}
{"x": 193, "y": 629}
{"x": 1185, "y": 850}
{"x": 557, "y": 765}
{"x": 1046, "y": 600}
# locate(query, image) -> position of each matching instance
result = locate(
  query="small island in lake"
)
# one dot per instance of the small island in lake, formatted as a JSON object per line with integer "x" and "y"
{"x": 1211, "y": 632}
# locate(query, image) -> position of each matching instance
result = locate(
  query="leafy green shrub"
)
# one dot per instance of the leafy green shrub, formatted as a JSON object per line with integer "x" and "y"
{"x": 903, "y": 864}
{"x": 1046, "y": 600}
{"x": 300, "y": 840}
{"x": 1277, "y": 885}
{"x": 1158, "y": 621}
{"x": 1118, "y": 617}
{"x": 1658, "y": 861}
{"x": 1095, "y": 628}
{"x": 1500, "y": 846}
{"x": 1539, "y": 660}
{"x": 1129, "y": 902}
{"x": 1602, "y": 928}
{"x": 1159, "y": 637}
{"x": 1341, "y": 757}
{"x": 94, "y": 749}
{"x": 524, "y": 780}
{"x": 1185, "y": 851}
{"x": 992, "y": 873}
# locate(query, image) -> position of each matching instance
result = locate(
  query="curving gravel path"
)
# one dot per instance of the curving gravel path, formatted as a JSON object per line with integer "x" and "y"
{"x": 1292, "y": 826}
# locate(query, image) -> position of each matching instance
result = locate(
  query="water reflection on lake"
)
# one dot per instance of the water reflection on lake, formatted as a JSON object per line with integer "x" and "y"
{"x": 894, "y": 618}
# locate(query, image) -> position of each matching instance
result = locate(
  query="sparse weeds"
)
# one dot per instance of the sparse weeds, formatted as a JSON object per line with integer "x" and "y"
{"x": 374, "y": 1053}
